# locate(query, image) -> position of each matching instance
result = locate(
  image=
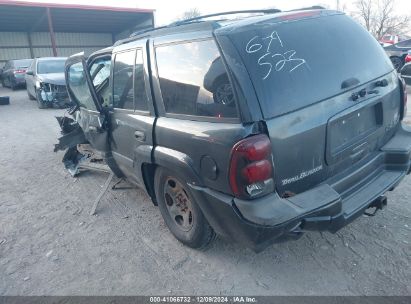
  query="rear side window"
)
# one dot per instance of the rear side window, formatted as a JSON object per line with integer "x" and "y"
{"x": 22, "y": 63}
{"x": 297, "y": 63}
{"x": 123, "y": 93}
{"x": 194, "y": 81}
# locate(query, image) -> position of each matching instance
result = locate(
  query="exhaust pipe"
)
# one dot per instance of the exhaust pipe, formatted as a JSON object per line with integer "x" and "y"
{"x": 378, "y": 204}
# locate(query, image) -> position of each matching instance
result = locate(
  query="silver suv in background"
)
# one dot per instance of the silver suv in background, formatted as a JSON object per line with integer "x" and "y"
{"x": 45, "y": 82}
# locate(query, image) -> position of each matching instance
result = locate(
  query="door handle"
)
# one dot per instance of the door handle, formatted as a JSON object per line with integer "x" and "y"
{"x": 140, "y": 135}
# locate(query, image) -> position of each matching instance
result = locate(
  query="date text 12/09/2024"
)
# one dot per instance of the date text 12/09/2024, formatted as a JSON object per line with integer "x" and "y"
{"x": 203, "y": 299}
{"x": 269, "y": 59}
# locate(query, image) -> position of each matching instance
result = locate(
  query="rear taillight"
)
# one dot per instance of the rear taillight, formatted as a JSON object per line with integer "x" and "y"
{"x": 19, "y": 71}
{"x": 404, "y": 98}
{"x": 251, "y": 168}
{"x": 408, "y": 58}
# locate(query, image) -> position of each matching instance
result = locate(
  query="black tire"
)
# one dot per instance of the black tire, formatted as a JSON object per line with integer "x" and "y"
{"x": 198, "y": 232}
{"x": 397, "y": 62}
{"x": 40, "y": 103}
{"x": 13, "y": 86}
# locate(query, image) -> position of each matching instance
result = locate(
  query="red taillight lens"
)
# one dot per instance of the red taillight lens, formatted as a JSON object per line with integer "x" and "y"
{"x": 408, "y": 58}
{"x": 19, "y": 71}
{"x": 251, "y": 169}
{"x": 257, "y": 171}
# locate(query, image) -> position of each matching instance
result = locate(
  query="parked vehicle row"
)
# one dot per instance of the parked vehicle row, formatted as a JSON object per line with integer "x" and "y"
{"x": 245, "y": 127}
{"x": 406, "y": 73}
{"x": 398, "y": 53}
{"x": 42, "y": 77}
{"x": 389, "y": 39}
{"x": 13, "y": 73}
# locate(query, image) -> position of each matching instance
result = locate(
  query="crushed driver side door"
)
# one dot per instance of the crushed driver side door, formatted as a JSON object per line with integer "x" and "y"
{"x": 90, "y": 114}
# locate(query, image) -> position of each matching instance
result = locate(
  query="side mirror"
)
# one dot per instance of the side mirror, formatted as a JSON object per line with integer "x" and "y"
{"x": 30, "y": 73}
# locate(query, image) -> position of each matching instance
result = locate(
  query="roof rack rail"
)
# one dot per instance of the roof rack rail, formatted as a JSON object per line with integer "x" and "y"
{"x": 308, "y": 8}
{"x": 265, "y": 11}
{"x": 182, "y": 22}
{"x": 146, "y": 30}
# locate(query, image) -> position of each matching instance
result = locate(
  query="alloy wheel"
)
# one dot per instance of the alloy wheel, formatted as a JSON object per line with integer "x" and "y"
{"x": 178, "y": 204}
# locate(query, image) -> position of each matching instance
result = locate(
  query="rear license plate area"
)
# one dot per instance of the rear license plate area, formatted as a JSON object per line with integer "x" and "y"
{"x": 350, "y": 133}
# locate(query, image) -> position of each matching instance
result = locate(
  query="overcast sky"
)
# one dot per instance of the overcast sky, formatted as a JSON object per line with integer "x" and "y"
{"x": 169, "y": 10}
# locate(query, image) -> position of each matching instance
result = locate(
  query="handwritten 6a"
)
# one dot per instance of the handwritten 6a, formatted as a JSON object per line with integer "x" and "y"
{"x": 273, "y": 60}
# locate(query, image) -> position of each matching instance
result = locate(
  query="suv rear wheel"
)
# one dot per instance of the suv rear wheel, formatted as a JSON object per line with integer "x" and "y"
{"x": 180, "y": 212}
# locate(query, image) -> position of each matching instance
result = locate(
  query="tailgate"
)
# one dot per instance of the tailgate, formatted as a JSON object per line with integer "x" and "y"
{"x": 328, "y": 93}
{"x": 315, "y": 143}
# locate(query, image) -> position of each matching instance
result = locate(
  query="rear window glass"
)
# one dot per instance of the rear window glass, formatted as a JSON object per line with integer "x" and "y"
{"x": 194, "y": 81}
{"x": 22, "y": 63}
{"x": 298, "y": 63}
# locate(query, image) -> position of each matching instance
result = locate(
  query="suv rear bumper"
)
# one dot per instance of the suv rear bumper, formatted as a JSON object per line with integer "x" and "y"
{"x": 329, "y": 206}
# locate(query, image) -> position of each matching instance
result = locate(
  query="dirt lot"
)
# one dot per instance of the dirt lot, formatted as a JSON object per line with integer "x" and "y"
{"x": 50, "y": 245}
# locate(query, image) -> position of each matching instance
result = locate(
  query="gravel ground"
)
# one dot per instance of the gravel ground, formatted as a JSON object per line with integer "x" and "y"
{"x": 50, "y": 245}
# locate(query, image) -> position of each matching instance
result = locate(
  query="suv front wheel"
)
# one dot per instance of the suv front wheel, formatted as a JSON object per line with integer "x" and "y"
{"x": 180, "y": 212}
{"x": 40, "y": 103}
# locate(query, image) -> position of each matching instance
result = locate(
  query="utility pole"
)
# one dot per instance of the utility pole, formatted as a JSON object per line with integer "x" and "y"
{"x": 51, "y": 31}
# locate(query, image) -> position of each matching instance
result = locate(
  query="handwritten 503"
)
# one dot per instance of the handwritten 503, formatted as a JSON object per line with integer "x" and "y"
{"x": 278, "y": 61}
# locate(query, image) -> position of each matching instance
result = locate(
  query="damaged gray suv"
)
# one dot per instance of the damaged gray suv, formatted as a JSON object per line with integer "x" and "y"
{"x": 248, "y": 128}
